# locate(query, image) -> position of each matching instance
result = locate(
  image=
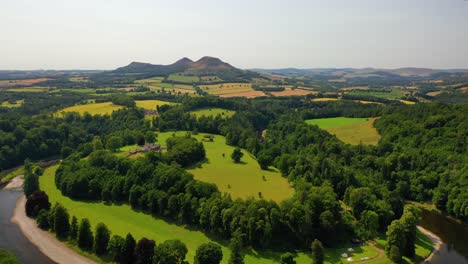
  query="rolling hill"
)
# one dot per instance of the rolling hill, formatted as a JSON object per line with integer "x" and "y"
{"x": 206, "y": 66}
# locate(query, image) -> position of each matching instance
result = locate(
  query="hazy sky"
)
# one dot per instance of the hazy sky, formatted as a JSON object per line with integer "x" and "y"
{"x": 105, "y": 34}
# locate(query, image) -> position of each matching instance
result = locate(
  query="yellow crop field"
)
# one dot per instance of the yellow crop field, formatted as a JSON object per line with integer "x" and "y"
{"x": 151, "y": 104}
{"x": 227, "y": 88}
{"x": 94, "y": 109}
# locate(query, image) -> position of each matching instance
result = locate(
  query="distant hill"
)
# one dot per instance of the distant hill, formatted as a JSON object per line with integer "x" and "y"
{"x": 352, "y": 72}
{"x": 206, "y": 66}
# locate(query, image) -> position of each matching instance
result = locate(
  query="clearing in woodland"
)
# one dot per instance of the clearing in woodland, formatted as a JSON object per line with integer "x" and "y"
{"x": 349, "y": 130}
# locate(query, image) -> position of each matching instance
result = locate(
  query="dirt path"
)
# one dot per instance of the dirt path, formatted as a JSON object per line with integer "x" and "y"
{"x": 47, "y": 243}
{"x": 436, "y": 241}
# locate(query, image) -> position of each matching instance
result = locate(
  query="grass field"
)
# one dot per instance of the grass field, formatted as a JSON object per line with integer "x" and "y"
{"x": 121, "y": 219}
{"x": 183, "y": 78}
{"x": 240, "y": 180}
{"x": 94, "y": 109}
{"x": 394, "y": 94}
{"x": 17, "y": 103}
{"x": 151, "y": 104}
{"x": 407, "y": 102}
{"x": 324, "y": 99}
{"x": 28, "y": 90}
{"x": 81, "y": 90}
{"x": 349, "y": 130}
{"x": 227, "y": 88}
{"x": 213, "y": 112}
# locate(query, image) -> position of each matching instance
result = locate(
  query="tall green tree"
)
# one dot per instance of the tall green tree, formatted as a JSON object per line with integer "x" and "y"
{"x": 317, "y": 252}
{"x": 128, "y": 250}
{"x": 115, "y": 248}
{"x": 101, "y": 239}
{"x": 31, "y": 180}
{"x": 97, "y": 143}
{"x": 114, "y": 143}
{"x": 395, "y": 241}
{"x": 42, "y": 219}
{"x": 287, "y": 258}
{"x": 237, "y": 155}
{"x": 61, "y": 222}
{"x": 208, "y": 253}
{"x": 36, "y": 202}
{"x": 144, "y": 251}
{"x": 171, "y": 251}
{"x": 85, "y": 235}
{"x": 74, "y": 228}
{"x": 235, "y": 245}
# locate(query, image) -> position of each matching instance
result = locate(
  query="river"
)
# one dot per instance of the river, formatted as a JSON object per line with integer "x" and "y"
{"x": 454, "y": 235}
{"x": 11, "y": 237}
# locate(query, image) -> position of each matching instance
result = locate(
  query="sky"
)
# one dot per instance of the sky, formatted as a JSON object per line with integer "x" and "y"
{"x": 106, "y": 34}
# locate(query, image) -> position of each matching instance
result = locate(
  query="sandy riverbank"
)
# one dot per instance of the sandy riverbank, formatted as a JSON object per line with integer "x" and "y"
{"x": 436, "y": 241}
{"x": 15, "y": 184}
{"x": 46, "y": 242}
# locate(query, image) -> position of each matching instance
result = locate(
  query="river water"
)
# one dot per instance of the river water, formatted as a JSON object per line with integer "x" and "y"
{"x": 454, "y": 235}
{"x": 11, "y": 237}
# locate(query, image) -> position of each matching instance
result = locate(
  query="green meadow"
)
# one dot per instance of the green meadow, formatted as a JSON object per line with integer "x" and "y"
{"x": 349, "y": 130}
{"x": 240, "y": 180}
{"x": 394, "y": 94}
{"x": 183, "y": 78}
{"x": 213, "y": 112}
{"x": 17, "y": 103}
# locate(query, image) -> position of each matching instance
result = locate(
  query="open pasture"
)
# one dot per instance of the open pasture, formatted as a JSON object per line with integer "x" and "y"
{"x": 151, "y": 104}
{"x": 94, "y": 109}
{"x": 241, "y": 180}
{"x": 36, "y": 89}
{"x": 393, "y": 94}
{"x": 293, "y": 92}
{"x": 17, "y": 103}
{"x": 213, "y": 112}
{"x": 226, "y": 88}
{"x": 177, "y": 77}
{"x": 349, "y": 130}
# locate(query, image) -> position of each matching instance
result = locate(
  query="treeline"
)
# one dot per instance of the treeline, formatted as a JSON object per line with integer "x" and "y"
{"x": 157, "y": 186}
{"x": 38, "y": 102}
{"x": 42, "y": 136}
{"x": 118, "y": 249}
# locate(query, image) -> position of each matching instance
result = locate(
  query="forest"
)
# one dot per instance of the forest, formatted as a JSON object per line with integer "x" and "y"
{"x": 342, "y": 191}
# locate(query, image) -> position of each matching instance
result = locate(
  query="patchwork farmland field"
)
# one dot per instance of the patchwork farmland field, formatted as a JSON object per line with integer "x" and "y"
{"x": 247, "y": 94}
{"x": 25, "y": 82}
{"x": 241, "y": 180}
{"x": 151, "y": 104}
{"x": 213, "y": 112}
{"x": 36, "y": 89}
{"x": 324, "y": 99}
{"x": 349, "y": 130}
{"x": 17, "y": 103}
{"x": 94, "y": 109}
{"x": 226, "y": 88}
{"x": 293, "y": 92}
{"x": 183, "y": 78}
{"x": 394, "y": 94}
